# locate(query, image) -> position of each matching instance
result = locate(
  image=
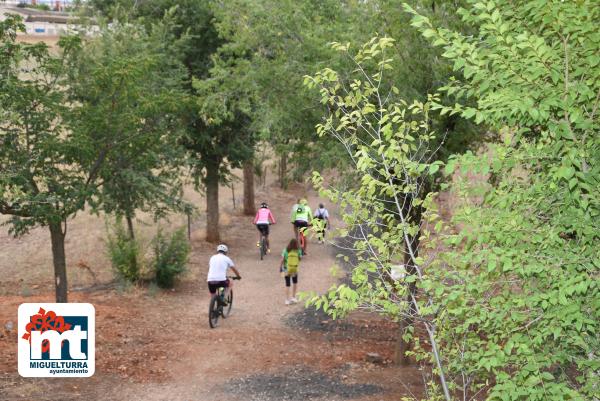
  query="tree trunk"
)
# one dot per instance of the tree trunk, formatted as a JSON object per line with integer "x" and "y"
{"x": 129, "y": 219}
{"x": 407, "y": 322}
{"x": 57, "y": 237}
{"x": 212, "y": 202}
{"x": 414, "y": 214}
{"x": 283, "y": 171}
{"x": 249, "y": 188}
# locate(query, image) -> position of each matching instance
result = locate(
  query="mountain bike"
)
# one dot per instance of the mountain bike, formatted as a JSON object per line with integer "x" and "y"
{"x": 220, "y": 306}
{"x": 262, "y": 246}
{"x": 302, "y": 238}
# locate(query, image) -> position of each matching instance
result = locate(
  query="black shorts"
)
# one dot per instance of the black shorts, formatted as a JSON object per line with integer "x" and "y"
{"x": 263, "y": 228}
{"x": 300, "y": 223}
{"x": 294, "y": 279}
{"x": 214, "y": 285}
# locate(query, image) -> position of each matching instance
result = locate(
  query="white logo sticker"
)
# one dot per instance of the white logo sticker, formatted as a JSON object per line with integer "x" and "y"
{"x": 56, "y": 340}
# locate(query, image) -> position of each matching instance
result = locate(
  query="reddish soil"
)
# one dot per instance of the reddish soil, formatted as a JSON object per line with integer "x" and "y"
{"x": 156, "y": 345}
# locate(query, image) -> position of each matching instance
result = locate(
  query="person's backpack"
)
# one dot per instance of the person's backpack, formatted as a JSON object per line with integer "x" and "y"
{"x": 293, "y": 261}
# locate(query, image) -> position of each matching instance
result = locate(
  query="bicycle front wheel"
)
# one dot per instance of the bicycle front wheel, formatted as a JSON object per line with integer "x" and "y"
{"x": 213, "y": 312}
{"x": 229, "y": 299}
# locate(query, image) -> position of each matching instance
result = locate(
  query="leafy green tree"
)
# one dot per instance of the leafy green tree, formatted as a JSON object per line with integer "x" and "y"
{"x": 276, "y": 47}
{"x": 518, "y": 307}
{"x": 214, "y": 150}
{"x": 282, "y": 44}
{"x": 59, "y": 146}
{"x": 216, "y": 137}
{"x": 126, "y": 82}
{"x": 46, "y": 171}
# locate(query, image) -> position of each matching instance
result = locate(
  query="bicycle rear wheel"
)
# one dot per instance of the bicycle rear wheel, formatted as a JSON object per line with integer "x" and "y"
{"x": 262, "y": 247}
{"x": 302, "y": 240}
{"x": 229, "y": 300}
{"x": 213, "y": 311}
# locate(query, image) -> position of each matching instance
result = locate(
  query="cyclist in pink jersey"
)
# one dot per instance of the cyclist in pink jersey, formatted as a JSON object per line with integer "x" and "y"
{"x": 263, "y": 219}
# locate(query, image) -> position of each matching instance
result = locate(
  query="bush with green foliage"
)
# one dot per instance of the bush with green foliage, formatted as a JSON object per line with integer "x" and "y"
{"x": 511, "y": 297}
{"x": 518, "y": 306}
{"x": 170, "y": 257}
{"x": 124, "y": 253}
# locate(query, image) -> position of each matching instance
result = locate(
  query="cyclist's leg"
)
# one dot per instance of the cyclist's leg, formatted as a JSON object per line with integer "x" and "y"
{"x": 227, "y": 286}
{"x": 323, "y": 223}
{"x": 266, "y": 234}
{"x": 212, "y": 290}
{"x": 259, "y": 234}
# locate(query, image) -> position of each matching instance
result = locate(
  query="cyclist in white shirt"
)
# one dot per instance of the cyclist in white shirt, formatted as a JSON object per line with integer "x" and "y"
{"x": 217, "y": 270}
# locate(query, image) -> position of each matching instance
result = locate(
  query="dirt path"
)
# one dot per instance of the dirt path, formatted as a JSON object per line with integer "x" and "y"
{"x": 158, "y": 346}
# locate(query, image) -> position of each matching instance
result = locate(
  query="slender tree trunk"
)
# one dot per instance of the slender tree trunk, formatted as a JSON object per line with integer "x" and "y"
{"x": 402, "y": 346}
{"x": 130, "y": 231}
{"x": 283, "y": 171}
{"x": 57, "y": 237}
{"x": 129, "y": 219}
{"x": 212, "y": 202}
{"x": 249, "y": 188}
{"x": 264, "y": 177}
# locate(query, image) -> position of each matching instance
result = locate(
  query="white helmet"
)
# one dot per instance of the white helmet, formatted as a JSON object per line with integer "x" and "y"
{"x": 222, "y": 248}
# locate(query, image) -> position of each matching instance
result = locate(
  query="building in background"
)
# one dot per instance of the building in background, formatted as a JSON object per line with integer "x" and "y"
{"x": 56, "y": 5}
{"x": 42, "y": 22}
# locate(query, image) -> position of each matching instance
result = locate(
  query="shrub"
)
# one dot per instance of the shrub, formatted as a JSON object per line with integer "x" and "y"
{"x": 124, "y": 253}
{"x": 170, "y": 257}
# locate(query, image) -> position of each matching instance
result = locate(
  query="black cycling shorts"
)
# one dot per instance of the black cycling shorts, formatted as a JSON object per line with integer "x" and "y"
{"x": 214, "y": 285}
{"x": 294, "y": 279}
{"x": 263, "y": 228}
{"x": 300, "y": 223}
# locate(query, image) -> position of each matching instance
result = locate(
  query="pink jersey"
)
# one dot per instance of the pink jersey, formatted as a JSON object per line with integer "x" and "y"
{"x": 264, "y": 216}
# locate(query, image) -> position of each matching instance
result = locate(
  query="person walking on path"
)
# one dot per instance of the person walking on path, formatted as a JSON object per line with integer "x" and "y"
{"x": 289, "y": 266}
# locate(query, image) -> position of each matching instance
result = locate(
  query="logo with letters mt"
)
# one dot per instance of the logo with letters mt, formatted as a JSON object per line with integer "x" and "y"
{"x": 56, "y": 340}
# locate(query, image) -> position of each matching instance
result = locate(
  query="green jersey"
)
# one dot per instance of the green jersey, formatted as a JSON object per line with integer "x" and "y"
{"x": 302, "y": 213}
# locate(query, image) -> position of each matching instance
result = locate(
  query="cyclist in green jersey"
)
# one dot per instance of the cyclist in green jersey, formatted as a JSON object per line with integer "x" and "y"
{"x": 301, "y": 216}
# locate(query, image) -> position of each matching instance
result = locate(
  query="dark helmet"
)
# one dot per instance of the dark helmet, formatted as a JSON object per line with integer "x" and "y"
{"x": 321, "y": 206}
{"x": 264, "y": 205}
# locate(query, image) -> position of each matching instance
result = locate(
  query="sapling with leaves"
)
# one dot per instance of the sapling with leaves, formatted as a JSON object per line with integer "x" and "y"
{"x": 393, "y": 148}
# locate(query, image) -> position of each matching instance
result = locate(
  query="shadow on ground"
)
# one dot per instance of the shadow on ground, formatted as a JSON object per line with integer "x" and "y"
{"x": 297, "y": 384}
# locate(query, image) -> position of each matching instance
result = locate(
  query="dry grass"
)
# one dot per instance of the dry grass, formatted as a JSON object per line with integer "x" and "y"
{"x": 26, "y": 262}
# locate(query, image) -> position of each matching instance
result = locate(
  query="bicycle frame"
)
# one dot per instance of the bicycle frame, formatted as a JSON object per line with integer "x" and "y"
{"x": 262, "y": 246}
{"x": 216, "y": 307}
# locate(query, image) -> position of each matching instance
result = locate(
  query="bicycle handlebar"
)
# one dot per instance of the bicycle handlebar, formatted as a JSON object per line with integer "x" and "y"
{"x": 235, "y": 277}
